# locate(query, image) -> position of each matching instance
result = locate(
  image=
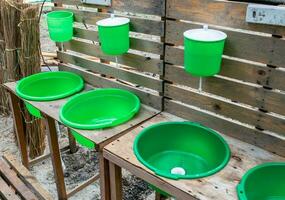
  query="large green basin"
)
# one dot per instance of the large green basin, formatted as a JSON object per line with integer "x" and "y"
{"x": 100, "y": 108}
{"x": 264, "y": 182}
{"x": 181, "y": 150}
{"x": 48, "y": 86}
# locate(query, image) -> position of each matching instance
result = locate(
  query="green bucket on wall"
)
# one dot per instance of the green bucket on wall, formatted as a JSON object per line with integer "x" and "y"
{"x": 114, "y": 35}
{"x": 60, "y": 25}
{"x": 203, "y": 50}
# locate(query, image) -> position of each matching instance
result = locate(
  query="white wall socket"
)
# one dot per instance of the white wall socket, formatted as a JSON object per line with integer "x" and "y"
{"x": 98, "y": 2}
{"x": 264, "y": 14}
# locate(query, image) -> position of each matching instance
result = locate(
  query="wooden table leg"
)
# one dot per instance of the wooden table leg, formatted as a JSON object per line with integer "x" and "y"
{"x": 115, "y": 181}
{"x": 104, "y": 177}
{"x": 159, "y": 196}
{"x": 56, "y": 159}
{"x": 19, "y": 127}
{"x": 72, "y": 142}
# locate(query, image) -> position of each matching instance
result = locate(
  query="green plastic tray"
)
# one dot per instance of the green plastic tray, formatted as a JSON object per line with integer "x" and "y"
{"x": 181, "y": 150}
{"x": 263, "y": 182}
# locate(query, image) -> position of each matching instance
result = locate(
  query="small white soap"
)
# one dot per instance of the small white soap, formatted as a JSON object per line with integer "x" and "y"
{"x": 178, "y": 171}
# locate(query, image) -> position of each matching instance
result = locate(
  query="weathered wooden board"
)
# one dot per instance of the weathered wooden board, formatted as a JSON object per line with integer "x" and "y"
{"x": 150, "y": 7}
{"x": 220, "y": 186}
{"x": 99, "y": 137}
{"x": 263, "y": 49}
{"x": 146, "y": 26}
{"x": 255, "y": 96}
{"x": 27, "y": 177}
{"x": 232, "y": 110}
{"x": 253, "y": 73}
{"x": 6, "y": 192}
{"x": 112, "y": 71}
{"x": 11, "y": 177}
{"x": 147, "y": 98}
{"x": 247, "y": 72}
{"x": 138, "y": 62}
{"x": 240, "y": 70}
{"x": 222, "y": 13}
{"x": 136, "y": 44}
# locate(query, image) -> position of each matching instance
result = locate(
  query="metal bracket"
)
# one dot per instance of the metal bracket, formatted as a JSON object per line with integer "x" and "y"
{"x": 264, "y": 14}
{"x": 98, "y": 2}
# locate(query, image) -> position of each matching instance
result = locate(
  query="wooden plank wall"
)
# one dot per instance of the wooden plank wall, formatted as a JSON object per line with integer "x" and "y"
{"x": 247, "y": 99}
{"x": 140, "y": 70}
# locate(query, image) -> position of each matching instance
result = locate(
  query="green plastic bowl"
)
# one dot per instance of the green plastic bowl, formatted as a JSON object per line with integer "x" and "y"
{"x": 114, "y": 35}
{"x": 48, "y": 86}
{"x": 203, "y": 50}
{"x": 263, "y": 182}
{"x": 33, "y": 110}
{"x": 60, "y": 25}
{"x": 83, "y": 141}
{"x": 100, "y": 108}
{"x": 181, "y": 150}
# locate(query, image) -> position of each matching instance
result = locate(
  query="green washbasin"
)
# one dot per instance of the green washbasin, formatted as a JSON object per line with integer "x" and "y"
{"x": 83, "y": 141}
{"x": 48, "y": 86}
{"x": 100, "y": 108}
{"x": 263, "y": 182}
{"x": 181, "y": 150}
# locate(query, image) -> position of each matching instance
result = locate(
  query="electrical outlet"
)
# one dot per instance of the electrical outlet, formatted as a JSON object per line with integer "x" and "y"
{"x": 98, "y": 2}
{"x": 264, "y": 14}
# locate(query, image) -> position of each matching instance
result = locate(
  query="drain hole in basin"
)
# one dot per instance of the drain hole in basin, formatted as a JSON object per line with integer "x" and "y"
{"x": 178, "y": 171}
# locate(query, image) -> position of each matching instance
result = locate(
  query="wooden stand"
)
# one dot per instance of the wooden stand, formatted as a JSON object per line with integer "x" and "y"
{"x": 220, "y": 186}
{"x": 245, "y": 102}
{"x": 50, "y": 111}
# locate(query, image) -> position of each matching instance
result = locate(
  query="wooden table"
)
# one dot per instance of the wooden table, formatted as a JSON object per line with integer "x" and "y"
{"x": 221, "y": 186}
{"x": 50, "y": 111}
